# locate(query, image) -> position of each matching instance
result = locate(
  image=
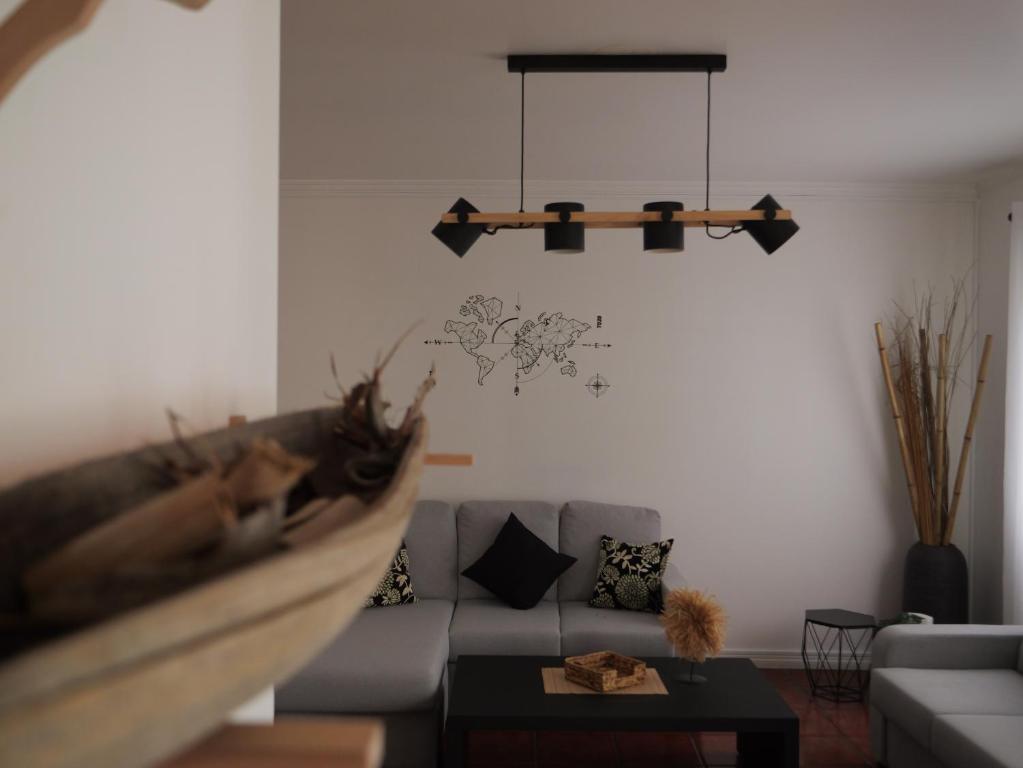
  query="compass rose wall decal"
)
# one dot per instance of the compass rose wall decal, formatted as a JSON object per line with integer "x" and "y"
{"x": 597, "y": 385}
{"x": 663, "y": 222}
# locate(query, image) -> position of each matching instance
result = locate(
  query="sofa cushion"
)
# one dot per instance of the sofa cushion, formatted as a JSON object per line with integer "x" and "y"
{"x": 582, "y": 524}
{"x": 518, "y": 568}
{"x": 430, "y": 539}
{"x": 489, "y": 627}
{"x": 913, "y": 698}
{"x": 389, "y": 660}
{"x": 585, "y": 630}
{"x": 979, "y": 741}
{"x": 478, "y": 524}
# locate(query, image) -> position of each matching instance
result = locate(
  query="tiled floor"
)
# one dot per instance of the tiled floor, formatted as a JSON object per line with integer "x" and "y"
{"x": 830, "y": 736}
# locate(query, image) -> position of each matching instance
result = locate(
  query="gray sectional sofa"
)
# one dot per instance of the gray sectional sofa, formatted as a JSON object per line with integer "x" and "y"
{"x": 395, "y": 662}
{"x": 947, "y": 696}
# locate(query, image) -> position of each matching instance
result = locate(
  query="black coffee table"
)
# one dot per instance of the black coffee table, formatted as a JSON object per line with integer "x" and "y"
{"x": 506, "y": 693}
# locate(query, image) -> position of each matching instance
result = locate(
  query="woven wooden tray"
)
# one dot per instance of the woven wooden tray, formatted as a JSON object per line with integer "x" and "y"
{"x": 605, "y": 671}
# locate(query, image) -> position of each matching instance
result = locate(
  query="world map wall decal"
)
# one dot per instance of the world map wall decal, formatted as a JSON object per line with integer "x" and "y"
{"x": 527, "y": 346}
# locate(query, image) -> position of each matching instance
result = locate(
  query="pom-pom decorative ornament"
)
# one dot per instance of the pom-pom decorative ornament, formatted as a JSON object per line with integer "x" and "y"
{"x": 695, "y": 625}
{"x": 565, "y": 224}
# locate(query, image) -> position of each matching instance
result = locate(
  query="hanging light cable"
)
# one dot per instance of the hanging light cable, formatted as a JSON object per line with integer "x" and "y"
{"x": 522, "y": 162}
{"x": 706, "y": 201}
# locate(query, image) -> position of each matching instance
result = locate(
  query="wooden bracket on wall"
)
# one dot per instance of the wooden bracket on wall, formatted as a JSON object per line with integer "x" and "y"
{"x": 37, "y": 26}
{"x": 448, "y": 460}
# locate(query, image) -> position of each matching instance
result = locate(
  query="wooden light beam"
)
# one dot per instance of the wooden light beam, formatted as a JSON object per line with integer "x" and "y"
{"x": 615, "y": 219}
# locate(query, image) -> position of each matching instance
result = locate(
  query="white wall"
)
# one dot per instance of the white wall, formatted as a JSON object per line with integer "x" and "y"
{"x": 747, "y": 403}
{"x": 138, "y": 230}
{"x": 995, "y": 199}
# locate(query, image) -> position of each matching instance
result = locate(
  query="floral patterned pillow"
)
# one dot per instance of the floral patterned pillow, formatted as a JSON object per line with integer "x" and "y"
{"x": 629, "y": 575}
{"x": 396, "y": 586}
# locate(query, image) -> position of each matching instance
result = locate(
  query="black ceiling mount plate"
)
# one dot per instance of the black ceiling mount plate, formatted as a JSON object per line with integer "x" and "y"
{"x": 644, "y": 62}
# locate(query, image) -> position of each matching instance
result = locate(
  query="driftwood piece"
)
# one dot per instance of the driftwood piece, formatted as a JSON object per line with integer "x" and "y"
{"x": 203, "y": 652}
{"x": 264, "y": 473}
{"x": 336, "y": 514}
{"x": 256, "y": 534}
{"x": 171, "y": 525}
{"x": 34, "y": 28}
{"x": 37, "y": 26}
{"x": 964, "y": 453}
{"x": 306, "y": 513}
{"x": 188, "y": 534}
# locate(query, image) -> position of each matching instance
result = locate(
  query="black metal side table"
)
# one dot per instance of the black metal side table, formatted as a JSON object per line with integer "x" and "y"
{"x": 835, "y": 644}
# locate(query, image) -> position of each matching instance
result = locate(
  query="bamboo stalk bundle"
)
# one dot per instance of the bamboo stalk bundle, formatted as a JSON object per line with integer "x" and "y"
{"x": 900, "y": 430}
{"x": 940, "y": 467}
{"x": 921, "y": 411}
{"x": 916, "y": 441}
{"x": 964, "y": 453}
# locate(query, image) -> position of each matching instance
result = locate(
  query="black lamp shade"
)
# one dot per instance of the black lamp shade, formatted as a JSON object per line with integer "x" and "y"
{"x": 459, "y": 237}
{"x": 564, "y": 237}
{"x": 663, "y": 236}
{"x": 770, "y": 234}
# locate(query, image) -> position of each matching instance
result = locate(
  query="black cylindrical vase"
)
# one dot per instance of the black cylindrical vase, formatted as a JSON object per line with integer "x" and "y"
{"x": 936, "y": 582}
{"x": 565, "y": 236}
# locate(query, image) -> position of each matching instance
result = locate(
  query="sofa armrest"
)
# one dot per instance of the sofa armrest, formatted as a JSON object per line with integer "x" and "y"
{"x": 947, "y": 646}
{"x": 672, "y": 579}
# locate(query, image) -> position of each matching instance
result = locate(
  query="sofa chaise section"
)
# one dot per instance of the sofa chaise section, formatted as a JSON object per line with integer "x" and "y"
{"x": 947, "y": 696}
{"x": 391, "y": 662}
{"x": 388, "y": 660}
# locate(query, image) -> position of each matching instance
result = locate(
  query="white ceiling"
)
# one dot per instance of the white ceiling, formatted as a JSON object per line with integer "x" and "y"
{"x": 816, "y": 90}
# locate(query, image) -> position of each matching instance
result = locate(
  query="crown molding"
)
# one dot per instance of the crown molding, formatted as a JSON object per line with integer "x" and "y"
{"x": 1006, "y": 173}
{"x": 542, "y": 191}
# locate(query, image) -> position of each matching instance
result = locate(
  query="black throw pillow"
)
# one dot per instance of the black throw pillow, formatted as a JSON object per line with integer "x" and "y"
{"x": 518, "y": 567}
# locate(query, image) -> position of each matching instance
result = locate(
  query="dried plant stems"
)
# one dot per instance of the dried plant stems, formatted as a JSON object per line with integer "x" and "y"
{"x": 921, "y": 412}
{"x": 900, "y": 431}
{"x": 694, "y": 623}
{"x": 964, "y": 453}
{"x": 916, "y": 439}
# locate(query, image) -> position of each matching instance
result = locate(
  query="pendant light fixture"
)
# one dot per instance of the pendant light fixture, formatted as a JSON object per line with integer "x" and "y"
{"x": 663, "y": 222}
{"x": 565, "y": 236}
{"x": 664, "y": 235}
